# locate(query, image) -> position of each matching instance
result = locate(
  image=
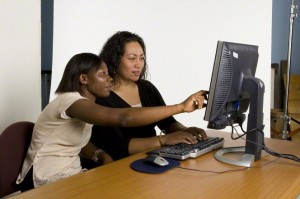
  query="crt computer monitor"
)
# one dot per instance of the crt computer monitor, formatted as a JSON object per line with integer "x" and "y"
{"x": 233, "y": 90}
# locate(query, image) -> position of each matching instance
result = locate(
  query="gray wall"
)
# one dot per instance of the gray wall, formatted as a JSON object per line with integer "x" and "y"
{"x": 280, "y": 34}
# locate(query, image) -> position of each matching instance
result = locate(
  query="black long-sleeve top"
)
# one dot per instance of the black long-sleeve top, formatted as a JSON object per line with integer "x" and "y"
{"x": 114, "y": 140}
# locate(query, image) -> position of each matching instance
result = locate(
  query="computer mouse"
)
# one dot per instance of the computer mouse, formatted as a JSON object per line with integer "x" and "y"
{"x": 156, "y": 160}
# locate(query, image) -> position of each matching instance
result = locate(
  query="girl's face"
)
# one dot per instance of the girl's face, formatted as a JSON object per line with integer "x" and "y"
{"x": 98, "y": 82}
{"x": 132, "y": 62}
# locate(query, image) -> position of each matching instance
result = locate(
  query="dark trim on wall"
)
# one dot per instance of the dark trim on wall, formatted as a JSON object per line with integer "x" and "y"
{"x": 47, "y": 13}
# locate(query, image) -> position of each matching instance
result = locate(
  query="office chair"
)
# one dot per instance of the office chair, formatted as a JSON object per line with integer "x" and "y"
{"x": 14, "y": 142}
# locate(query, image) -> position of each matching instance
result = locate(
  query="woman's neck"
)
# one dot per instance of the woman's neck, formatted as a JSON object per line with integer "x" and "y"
{"x": 85, "y": 93}
{"x": 122, "y": 84}
{"x": 128, "y": 91}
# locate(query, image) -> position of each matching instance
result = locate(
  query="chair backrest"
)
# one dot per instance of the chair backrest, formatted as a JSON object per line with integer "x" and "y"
{"x": 14, "y": 142}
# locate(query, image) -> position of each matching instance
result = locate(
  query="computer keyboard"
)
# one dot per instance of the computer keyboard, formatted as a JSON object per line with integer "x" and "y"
{"x": 183, "y": 151}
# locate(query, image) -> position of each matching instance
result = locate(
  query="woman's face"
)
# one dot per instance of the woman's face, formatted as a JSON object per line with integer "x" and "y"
{"x": 132, "y": 62}
{"x": 99, "y": 83}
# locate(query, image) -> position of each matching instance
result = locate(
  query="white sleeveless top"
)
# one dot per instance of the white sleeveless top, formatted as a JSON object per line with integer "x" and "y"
{"x": 137, "y": 105}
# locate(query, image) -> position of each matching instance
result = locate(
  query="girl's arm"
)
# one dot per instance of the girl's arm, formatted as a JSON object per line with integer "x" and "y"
{"x": 92, "y": 113}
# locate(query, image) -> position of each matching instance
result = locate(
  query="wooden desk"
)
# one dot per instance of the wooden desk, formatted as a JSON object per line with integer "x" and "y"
{"x": 278, "y": 179}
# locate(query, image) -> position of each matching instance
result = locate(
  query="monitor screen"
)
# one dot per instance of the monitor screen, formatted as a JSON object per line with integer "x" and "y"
{"x": 233, "y": 89}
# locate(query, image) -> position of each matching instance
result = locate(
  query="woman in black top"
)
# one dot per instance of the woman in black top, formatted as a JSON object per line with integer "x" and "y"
{"x": 125, "y": 56}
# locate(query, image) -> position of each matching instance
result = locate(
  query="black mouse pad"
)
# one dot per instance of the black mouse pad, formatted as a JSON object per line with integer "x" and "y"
{"x": 141, "y": 166}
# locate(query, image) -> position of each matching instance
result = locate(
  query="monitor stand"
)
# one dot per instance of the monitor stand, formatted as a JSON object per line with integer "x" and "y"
{"x": 245, "y": 161}
{"x": 254, "y": 139}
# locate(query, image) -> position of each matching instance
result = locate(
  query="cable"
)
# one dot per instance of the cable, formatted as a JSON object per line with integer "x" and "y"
{"x": 269, "y": 151}
{"x": 229, "y": 170}
{"x": 295, "y": 120}
{"x": 210, "y": 171}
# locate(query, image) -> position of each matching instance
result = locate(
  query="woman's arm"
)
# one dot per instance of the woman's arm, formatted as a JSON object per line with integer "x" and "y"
{"x": 176, "y": 133}
{"x": 89, "y": 152}
{"x": 195, "y": 131}
{"x": 137, "y": 145}
{"x": 111, "y": 140}
{"x": 176, "y": 126}
{"x": 90, "y": 112}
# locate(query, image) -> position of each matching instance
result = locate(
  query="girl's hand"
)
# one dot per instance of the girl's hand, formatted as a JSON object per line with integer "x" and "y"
{"x": 195, "y": 101}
